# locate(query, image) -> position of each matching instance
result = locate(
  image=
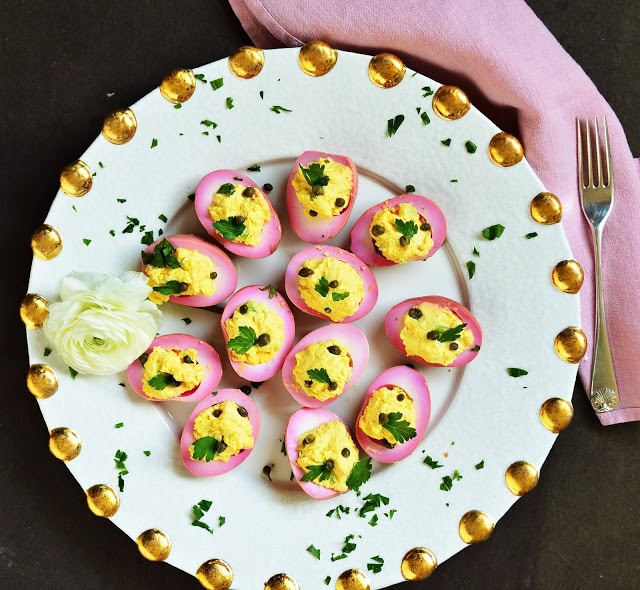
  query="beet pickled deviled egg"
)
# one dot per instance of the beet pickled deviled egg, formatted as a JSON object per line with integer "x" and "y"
{"x": 324, "y": 364}
{"x": 188, "y": 270}
{"x": 330, "y": 283}
{"x": 394, "y": 414}
{"x": 323, "y": 457}
{"x": 258, "y": 329}
{"x": 236, "y": 213}
{"x": 176, "y": 367}
{"x": 402, "y": 229}
{"x": 434, "y": 330}
{"x": 220, "y": 433}
{"x": 321, "y": 191}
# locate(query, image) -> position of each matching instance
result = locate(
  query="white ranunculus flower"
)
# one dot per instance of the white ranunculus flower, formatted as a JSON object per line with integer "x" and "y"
{"x": 102, "y": 323}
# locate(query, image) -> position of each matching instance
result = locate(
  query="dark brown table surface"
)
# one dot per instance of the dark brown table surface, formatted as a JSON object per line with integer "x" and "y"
{"x": 58, "y": 63}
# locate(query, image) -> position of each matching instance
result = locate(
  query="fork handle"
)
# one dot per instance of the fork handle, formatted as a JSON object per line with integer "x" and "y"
{"x": 604, "y": 389}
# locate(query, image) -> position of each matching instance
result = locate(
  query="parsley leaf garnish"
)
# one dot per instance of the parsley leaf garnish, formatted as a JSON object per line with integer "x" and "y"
{"x": 406, "y": 228}
{"x": 242, "y": 343}
{"x": 399, "y": 429}
{"x": 493, "y": 231}
{"x": 322, "y": 286}
{"x": 162, "y": 381}
{"x": 199, "y": 511}
{"x": 319, "y": 375}
{"x": 314, "y": 174}
{"x": 271, "y": 289}
{"x": 319, "y": 472}
{"x": 226, "y": 189}
{"x": 371, "y": 502}
{"x": 163, "y": 256}
{"x": 171, "y": 288}
{"x": 229, "y": 229}
{"x": 376, "y": 564}
{"x": 360, "y": 474}
{"x": 450, "y": 334}
{"x": 205, "y": 448}
{"x": 339, "y": 296}
{"x": 515, "y": 372}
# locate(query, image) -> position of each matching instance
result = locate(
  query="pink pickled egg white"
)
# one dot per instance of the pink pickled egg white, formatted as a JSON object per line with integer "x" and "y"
{"x": 416, "y": 386}
{"x": 207, "y": 356}
{"x": 350, "y": 337}
{"x": 271, "y": 232}
{"x": 362, "y": 244}
{"x": 314, "y": 230}
{"x": 276, "y": 302}
{"x": 225, "y": 282}
{"x": 302, "y": 421}
{"x": 395, "y": 316}
{"x": 298, "y": 260}
{"x": 202, "y": 467}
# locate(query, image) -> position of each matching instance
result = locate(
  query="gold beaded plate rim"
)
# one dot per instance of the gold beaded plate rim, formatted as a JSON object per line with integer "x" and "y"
{"x": 479, "y": 412}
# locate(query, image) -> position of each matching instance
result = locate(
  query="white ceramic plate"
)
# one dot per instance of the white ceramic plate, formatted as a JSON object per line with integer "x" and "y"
{"x": 480, "y": 413}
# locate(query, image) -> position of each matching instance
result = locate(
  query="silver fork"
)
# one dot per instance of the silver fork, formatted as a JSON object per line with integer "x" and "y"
{"x": 596, "y": 191}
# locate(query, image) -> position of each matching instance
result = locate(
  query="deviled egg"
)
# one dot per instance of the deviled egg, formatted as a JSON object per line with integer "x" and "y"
{"x": 188, "y": 270}
{"x": 235, "y": 212}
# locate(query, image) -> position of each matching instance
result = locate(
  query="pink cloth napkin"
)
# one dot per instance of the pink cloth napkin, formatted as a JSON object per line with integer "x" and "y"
{"x": 516, "y": 73}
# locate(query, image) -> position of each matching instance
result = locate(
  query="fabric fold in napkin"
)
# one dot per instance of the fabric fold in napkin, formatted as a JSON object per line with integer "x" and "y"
{"x": 517, "y": 74}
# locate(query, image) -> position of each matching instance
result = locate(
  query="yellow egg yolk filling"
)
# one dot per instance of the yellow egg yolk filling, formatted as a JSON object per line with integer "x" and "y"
{"x": 423, "y": 334}
{"x": 324, "y": 201}
{"x": 239, "y": 213}
{"x": 384, "y": 401}
{"x": 255, "y": 333}
{"x": 401, "y": 234}
{"x": 330, "y": 286}
{"x": 227, "y": 423}
{"x": 195, "y": 276}
{"x": 169, "y": 373}
{"x": 322, "y": 369}
{"x": 330, "y": 446}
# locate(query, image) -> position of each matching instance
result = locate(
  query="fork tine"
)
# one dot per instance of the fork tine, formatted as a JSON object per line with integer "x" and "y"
{"x": 598, "y": 150}
{"x": 589, "y": 164}
{"x": 580, "y": 165}
{"x": 607, "y": 153}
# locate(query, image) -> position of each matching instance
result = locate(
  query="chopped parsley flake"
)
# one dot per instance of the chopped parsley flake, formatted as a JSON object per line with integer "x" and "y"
{"x": 226, "y": 189}
{"x": 163, "y": 256}
{"x": 409, "y": 189}
{"x": 471, "y": 147}
{"x": 199, "y": 511}
{"x": 147, "y": 453}
{"x": 278, "y": 109}
{"x": 154, "y": 142}
{"x": 47, "y": 351}
{"x": 371, "y": 502}
{"x": 449, "y": 334}
{"x": 530, "y": 235}
{"x": 430, "y": 462}
{"x": 492, "y": 232}
{"x": 73, "y": 372}
{"x": 201, "y": 78}
{"x": 446, "y": 142}
{"x": 425, "y": 118}
{"x": 86, "y": 241}
{"x": 209, "y": 123}
{"x": 314, "y": 551}
{"x": 471, "y": 268}
{"x": 479, "y": 465}
{"x": 375, "y": 565}
{"x": 229, "y": 102}
{"x": 254, "y": 168}
{"x": 427, "y": 91}
{"x": 338, "y": 511}
{"x": 217, "y": 83}
{"x": 187, "y": 321}
{"x": 119, "y": 460}
{"x": 394, "y": 124}
{"x": 178, "y": 106}
{"x": 339, "y": 296}
{"x": 476, "y": 253}
{"x": 271, "y": 289}
{"x": 515, "y": 372}
{"x": 118, "y": 425}
{"x": 133, "y": 222}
